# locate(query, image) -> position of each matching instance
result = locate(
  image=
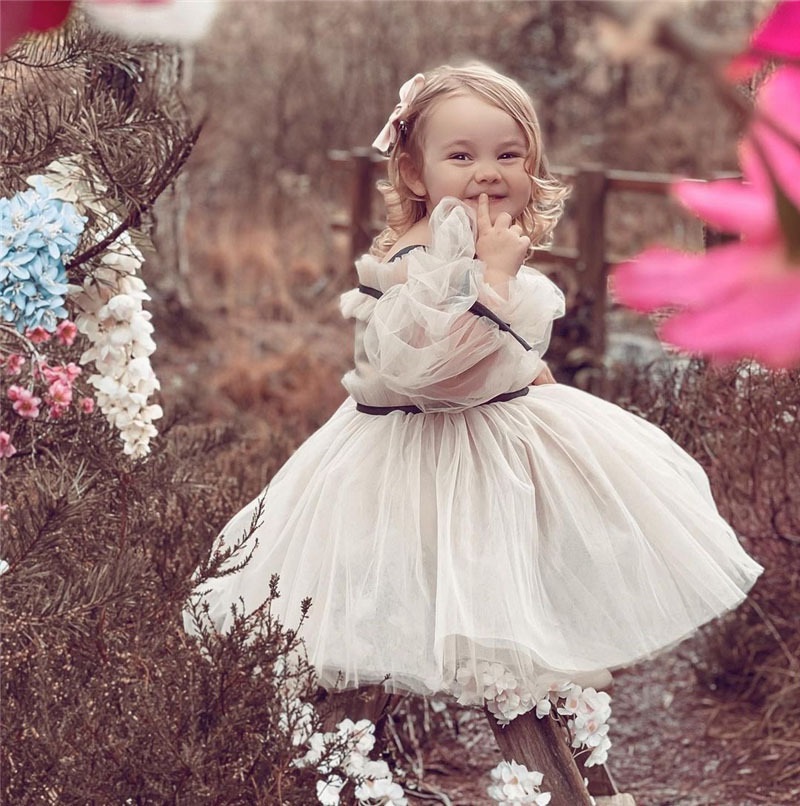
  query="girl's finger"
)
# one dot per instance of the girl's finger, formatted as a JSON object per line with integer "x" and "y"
{"x": 484, "y": 219}
{"x": 503, "y": 221}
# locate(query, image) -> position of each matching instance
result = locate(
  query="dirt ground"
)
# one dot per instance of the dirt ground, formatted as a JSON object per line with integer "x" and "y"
{"x": 667, "y": 751}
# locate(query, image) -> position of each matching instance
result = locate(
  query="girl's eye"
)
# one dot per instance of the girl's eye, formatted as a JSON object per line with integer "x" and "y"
{"x": 459, "y": 156}
{"x": 510, "y": 155}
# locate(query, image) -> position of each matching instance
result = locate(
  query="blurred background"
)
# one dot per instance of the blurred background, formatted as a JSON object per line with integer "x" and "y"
{"x": 254, "y": 224}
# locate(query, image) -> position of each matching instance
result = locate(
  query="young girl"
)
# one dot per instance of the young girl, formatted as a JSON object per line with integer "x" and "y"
{"x": 460, "y": 507}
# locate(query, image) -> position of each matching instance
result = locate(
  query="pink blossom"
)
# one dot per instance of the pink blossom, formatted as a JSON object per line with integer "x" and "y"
{"x": 38, "y": 335}
{"x": 4, "y": 512}
{"x": 14, "y": 364}
{"x": 56, "y": 410}
{"x": 63, "y": 372}
{"x": 86, "y": 404}
{"x": 14, "y": 392}
{"x": 59, "y": 393}
{"x": 6, "y": 448}
{"x": 26, "y": 404}
{"x": 740, "y": 299}
{"x": 778, "y": 37}
{"x": 66, "y": 332}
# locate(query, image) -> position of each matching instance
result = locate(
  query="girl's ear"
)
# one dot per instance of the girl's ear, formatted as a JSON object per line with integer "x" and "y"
{"x": 411, "y": 175}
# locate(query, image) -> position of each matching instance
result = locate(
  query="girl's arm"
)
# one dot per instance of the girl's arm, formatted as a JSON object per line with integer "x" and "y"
{"x": 545, "y": 376}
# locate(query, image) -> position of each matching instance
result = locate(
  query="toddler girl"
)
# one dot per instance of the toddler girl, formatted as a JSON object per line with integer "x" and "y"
{"x": 460, "y": 507}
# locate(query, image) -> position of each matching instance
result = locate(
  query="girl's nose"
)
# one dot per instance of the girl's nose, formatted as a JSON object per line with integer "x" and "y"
{"x": 486, "y": 171}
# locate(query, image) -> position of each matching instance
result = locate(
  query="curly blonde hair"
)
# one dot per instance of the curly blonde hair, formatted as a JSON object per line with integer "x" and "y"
{"x": 404, "y": 208}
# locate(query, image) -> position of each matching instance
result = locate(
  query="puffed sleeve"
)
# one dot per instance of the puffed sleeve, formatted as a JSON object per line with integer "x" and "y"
{"x": 426, "y": 344}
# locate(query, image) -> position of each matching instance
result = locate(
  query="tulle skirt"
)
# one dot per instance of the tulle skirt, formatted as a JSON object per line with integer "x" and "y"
{"x": 556, "y": 534}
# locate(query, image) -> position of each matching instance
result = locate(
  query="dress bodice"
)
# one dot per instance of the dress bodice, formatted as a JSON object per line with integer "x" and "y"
{"x": 418, "y": 340}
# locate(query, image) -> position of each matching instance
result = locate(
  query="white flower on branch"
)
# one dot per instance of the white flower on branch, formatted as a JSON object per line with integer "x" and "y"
{"x": 346, "y": 751}
{"x": 515, "y": 784}
{"x": 109, "y": 312}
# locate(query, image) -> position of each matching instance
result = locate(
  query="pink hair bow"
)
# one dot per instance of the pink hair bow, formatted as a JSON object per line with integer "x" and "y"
{"x": 408, "y": 92}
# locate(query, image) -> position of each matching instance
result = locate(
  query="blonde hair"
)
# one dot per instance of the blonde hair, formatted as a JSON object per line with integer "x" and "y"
{"x": 404, "y": 208}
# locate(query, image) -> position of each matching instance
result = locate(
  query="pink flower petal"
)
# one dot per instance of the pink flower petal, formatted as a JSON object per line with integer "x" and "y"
{"x": 779, "y": 34}
{"x": 761, "y": 321}
{"x": 730, "y": 206}
{"x": 779, "y": 103}
{"x": 660, "y": 277}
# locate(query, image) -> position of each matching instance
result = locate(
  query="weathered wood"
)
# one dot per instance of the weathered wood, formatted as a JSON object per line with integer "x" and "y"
{"x": 361, "y": 202}
{"x": 599, "y": 778}
{"x": 369, "y": 702}
{"x": 540, "y": 745}
{"x": 591, "y": 186}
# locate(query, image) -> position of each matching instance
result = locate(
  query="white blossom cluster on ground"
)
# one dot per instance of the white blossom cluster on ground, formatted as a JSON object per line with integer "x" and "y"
{"x": 342, "y": 757}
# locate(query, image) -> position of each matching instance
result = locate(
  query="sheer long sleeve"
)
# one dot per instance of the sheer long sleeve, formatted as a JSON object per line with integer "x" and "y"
{"x": 425, "y": 344}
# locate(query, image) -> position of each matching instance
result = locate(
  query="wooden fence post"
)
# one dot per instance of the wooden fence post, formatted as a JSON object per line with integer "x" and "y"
{"x": 361, "y": 202}
{"x": 591, "y": 185}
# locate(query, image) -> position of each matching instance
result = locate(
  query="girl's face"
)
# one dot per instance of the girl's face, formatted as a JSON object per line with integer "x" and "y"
{"x": 470, "y": 147}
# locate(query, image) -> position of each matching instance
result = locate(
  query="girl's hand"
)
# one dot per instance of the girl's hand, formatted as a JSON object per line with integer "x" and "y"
{"x": 545, "y": 376}
{"x": 501, "y": 245}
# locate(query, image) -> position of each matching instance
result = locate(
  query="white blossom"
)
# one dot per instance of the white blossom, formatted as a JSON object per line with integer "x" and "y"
{"x": 346, "y": 750}
{"x": 505, "y": 696}
{"x": 109, "y": 313}
{"x": 381, "y": 790}
{"x": 515, "y": 784}
{"x": 329, "y": 789}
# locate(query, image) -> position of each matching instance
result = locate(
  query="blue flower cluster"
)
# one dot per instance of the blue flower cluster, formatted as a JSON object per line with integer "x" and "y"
{"x": 37, "y": 231}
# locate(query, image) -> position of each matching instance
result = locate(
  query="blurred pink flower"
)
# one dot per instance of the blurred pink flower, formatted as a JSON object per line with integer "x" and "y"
{"x": 3, "y": 517}
{"x": 778, "y": 37}
{"x": 26, "y": 404}
{"x": 21, "y": 16}
{"x": 38, "y": 335}
{"x": 167, "y": 20}
{"x": 6, "y": 448}
{"x": 14, "y": 364}
{"x": 66, "y": 332}
{"x": 86, "y": 404}
{"x": 740, "y": 299}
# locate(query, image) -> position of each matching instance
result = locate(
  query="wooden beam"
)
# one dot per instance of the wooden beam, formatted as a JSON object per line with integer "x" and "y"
{"x": 540, "y": 745}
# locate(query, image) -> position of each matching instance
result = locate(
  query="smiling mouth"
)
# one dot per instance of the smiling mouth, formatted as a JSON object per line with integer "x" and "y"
{"x": 491, "y": 198}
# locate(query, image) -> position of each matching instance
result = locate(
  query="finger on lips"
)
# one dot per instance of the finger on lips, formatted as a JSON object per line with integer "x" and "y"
{"x": 484, "y": 220}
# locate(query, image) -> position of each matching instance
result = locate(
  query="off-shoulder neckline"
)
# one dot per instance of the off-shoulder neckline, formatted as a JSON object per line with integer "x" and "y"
{"x": 404, "y": 251}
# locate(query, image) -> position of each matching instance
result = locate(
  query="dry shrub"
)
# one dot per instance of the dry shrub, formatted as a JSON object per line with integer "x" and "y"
{"x": 104, "y": 698}
{"x": 743, "y": 425}
{"x": 290, "y": 386}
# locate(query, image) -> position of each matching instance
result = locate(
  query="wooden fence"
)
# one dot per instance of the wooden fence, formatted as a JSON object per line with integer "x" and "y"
{"x": 588, "y": 262}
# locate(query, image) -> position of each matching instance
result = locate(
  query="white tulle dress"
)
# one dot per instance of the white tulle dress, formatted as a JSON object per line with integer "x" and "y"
{"x": 554, "y": 532}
